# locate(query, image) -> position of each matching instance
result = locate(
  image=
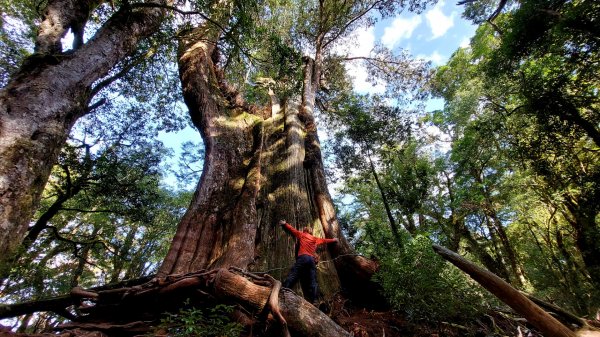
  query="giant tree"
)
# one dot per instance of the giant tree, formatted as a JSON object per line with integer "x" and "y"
{"x": 264, "y": 163}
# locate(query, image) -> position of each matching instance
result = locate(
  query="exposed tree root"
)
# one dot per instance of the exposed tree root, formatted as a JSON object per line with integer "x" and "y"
{"x": 134, "y": 310}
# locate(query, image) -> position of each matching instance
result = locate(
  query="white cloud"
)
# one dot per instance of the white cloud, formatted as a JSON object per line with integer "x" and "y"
{"x": 365, "y": 41}
{"x": 358, "y": 44}
{"x": 436, "y": 58}
{"x": 399, "y": 29}
{"x": 361, "y": 85}
{"x": 438, "y": 21}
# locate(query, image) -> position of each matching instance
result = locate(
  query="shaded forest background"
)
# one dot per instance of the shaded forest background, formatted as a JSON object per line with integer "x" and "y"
{"x": 510, "y": 178}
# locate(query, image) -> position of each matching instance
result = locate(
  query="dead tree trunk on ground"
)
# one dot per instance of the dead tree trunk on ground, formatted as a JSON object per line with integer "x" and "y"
{"x": 539, "y": 318}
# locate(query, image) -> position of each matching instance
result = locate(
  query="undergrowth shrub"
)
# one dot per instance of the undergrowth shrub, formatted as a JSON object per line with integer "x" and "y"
{"x": 424, "y": 286}
{"x": 199, "y": 322}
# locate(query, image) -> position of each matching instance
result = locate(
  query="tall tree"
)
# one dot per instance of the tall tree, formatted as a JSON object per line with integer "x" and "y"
{"x": 513, "y": 143}
{"x": 546, "y": 54}
{"x": 48, "y": 93}
{"x": 367, "y": 129}
{"x": 268, "y": 158}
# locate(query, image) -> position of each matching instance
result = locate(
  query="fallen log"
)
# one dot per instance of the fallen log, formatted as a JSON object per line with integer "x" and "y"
{"x": 303, "y": 319}
{"x": 520, "y": 303}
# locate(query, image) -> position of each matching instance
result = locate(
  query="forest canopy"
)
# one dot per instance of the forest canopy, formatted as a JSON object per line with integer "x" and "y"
{"x": 505, "y": 172}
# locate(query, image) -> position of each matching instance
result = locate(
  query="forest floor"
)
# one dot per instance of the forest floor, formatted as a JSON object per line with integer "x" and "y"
{"x": 371, "y": 323}
{"x": 366, "y": 323}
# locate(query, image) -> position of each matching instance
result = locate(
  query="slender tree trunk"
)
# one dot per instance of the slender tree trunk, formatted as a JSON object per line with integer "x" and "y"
{"x": 572, "y": 277}
{"x": 41, "y": 103}
{"x": 508, "y": 248}
{"x": 460, "y": 231}
{"x": 386, "y": 205}
{"x": 553, "y": 263}
{"x": 457, "y": 222}
{"x": 495, "y": 225}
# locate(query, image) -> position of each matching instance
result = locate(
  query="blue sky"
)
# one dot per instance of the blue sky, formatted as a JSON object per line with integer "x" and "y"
{"x": 432, "y": 35}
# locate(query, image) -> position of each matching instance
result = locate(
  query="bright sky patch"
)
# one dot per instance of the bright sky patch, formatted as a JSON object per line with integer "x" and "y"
{"x": 400, "y": 28}
{"x": 438, "y": 21}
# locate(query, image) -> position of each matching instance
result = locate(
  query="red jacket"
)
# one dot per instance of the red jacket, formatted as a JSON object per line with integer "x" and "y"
{"x": 308, "y": 243}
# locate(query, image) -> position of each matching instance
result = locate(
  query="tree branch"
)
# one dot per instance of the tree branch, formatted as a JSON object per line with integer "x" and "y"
{"x": 177, "y": 10}
{"x": 349, "y": 23}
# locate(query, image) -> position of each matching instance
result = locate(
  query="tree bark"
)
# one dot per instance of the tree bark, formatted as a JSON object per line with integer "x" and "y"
{"x": 220, "y": 225}
{"x": 58, "y": 17}
{"x": 114, "y": 310}
{"x": 41, "y": 103}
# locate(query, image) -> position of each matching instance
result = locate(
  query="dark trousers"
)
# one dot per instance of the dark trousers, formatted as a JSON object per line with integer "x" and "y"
{"x": 304, "y": 269}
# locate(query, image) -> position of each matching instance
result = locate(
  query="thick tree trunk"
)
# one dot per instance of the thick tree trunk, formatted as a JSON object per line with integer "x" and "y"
{"x": 41, "y": 103}
{"x": 220, "y": 226}
{"x": 261, "y": 165}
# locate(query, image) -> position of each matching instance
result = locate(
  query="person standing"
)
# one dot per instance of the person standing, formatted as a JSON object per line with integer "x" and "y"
{"x": 305, "y": 265}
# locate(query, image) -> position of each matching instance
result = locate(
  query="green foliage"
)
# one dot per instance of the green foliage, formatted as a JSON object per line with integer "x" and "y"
{"x": 409, "y": 177}
{"x": 522, "y": 112}
{"x": 16, "y": 33}
{"x": 103, "y": 217}
{"x": 198, "y": 322}
{"x": 551, "y": 259}
{"x": 191, "y": 160}
{"x": 420, "y": 283}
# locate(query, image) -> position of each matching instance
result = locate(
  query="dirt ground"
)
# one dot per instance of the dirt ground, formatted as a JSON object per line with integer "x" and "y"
{"x": 388, "y": 323}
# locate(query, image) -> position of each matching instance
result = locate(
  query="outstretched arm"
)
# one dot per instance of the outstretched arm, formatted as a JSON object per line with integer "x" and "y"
{"x": 321, "y": 241}
{"x": 286, "y": 226}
